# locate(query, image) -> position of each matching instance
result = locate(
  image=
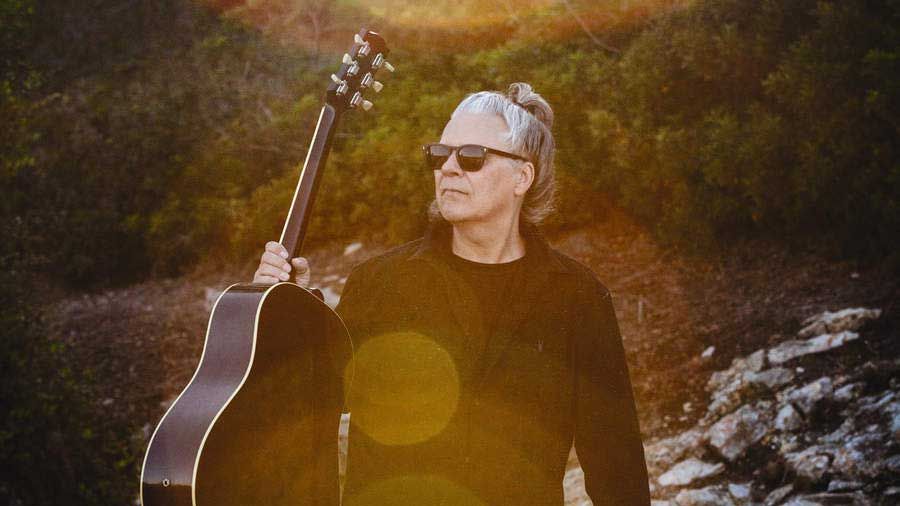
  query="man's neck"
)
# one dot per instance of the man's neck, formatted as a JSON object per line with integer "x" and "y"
{"x": 488, "y": 243}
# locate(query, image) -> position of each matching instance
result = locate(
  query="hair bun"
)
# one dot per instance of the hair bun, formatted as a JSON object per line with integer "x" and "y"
{"x": 524, "y": 96}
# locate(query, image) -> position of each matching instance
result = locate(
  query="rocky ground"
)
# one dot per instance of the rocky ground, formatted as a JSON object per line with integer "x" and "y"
{"x": 727, "y": 415}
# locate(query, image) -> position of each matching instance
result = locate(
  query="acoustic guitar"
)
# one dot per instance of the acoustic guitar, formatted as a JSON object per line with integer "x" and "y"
{"x": 258, "y": 422}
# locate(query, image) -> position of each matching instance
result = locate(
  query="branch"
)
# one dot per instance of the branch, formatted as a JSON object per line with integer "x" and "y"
{"x": 587, "y": 31}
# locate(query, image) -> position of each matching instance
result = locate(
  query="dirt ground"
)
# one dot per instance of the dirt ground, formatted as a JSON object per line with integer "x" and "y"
{"x": 143, "y": 342}
{"x": 671, "y": 307}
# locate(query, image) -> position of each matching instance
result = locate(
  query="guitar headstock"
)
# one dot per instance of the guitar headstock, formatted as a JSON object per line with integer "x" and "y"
{"x": 357, "y": 73}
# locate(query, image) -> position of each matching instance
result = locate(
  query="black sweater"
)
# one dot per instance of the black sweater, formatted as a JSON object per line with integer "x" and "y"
{"x": 446, "y": 411}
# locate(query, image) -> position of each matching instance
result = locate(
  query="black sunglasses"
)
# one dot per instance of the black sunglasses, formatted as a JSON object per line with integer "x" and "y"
{"x": 470, "y": 157}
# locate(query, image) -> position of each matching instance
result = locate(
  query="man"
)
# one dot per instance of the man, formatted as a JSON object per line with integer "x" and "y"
{"x": 481, "y": 353}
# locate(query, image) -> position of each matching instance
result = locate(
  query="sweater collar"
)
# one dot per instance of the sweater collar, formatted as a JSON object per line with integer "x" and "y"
{"x": 436, "y": 245}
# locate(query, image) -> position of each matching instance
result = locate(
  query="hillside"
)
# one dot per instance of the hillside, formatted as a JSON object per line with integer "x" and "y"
{"x": 144, "y": 341}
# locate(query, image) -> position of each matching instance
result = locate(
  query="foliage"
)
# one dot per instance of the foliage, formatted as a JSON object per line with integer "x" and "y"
{"x": 49, "y": 426}
{"x": 57, "y": 445}
{"x": 710, "y": 121}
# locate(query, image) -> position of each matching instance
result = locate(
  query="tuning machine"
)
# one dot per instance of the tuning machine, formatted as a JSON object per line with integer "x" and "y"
{"x": 364, "y": 47}
{"x": 379, "y": 62}
{"x": 343, "y": 87}
{"x": 358, "y": 101}
{"x": 369, "y": 82}
{"x": 353, "y": 68}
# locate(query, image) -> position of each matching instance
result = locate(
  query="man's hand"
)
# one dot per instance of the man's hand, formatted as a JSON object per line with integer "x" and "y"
{"x": 274, "y": 267}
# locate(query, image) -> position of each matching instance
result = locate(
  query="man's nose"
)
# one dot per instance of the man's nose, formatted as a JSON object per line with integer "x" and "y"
{"x": 451, "y": 166}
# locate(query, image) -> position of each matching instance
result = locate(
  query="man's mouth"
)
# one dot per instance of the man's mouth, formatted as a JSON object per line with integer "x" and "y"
{"x": 449, "y": 190}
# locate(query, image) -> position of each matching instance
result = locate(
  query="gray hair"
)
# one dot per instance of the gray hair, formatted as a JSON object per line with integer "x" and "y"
{"x": 529, "y": 118}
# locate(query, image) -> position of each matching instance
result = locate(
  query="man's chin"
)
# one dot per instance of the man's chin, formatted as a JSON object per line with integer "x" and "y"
{"x": 453, "y": 215}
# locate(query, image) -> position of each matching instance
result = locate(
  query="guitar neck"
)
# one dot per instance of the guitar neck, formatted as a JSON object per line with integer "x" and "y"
{"x": 295, "y": 225}
{"x": 344, "y": 93}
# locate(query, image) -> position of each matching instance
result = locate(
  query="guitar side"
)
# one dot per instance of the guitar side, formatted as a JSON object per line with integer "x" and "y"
{"x": 257, "y": 424}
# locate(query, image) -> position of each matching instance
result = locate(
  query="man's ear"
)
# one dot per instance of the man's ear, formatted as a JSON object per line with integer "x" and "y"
{"x": 525, "y": 175}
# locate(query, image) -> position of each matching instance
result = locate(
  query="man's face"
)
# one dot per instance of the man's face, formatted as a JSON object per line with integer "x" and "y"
{"x": 485, "y": 195}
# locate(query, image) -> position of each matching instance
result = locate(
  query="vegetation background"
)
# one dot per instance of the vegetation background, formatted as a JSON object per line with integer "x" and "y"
{"x": 142, "y": 138}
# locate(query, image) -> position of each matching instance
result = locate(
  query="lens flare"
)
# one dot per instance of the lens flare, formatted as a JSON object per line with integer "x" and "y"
{"x": 420, "y": 489}
{"x": 405, "y": 388}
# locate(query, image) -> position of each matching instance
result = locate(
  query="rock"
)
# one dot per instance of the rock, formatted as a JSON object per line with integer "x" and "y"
{"x": 788, "y": 419}
{"x": 753, "y": 362}
{"x": 786, "y": 442}
{"x": 777, "y": 495}
{"x": 770, "y": 378}
{"x": 573, "y": 487}
{"x": 708, "y": 352}
{"x": 742, "y": 386}
{"x": 330, "y": 296}
{"x": 735, "y": 432}
{"x": 713, "y": 495}
{"x": 810, "y": 464}
{"x": 862, "y": 455}
{"x": 656, "y": 502}
{"x": 664, "y": 453}
{"x": 809, "y": 396}
{"x": 892, "y": 464}
{"x": 839, "y": 434}
{"x": 845, "y": 319}
{"x": 689, "y": 470}
{"x": 789, "y": 350}
{"x": 892, "y": 411}
{"x": 827, "y": 498}
{"x": 844, "y": 486}
{"x": 725, "y": 400}
{"x": 740, "y": 491}
{"x": 848, "y": 392}
{"x": 873, "y": 403}
{"x": 352, "y": 248}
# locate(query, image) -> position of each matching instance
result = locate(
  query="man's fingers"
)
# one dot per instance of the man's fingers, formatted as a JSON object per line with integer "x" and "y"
{"x": 300, "y": 264}
{"x": 277, "y": 248}
{"x": 270, "y": 258}
{"x": 274, "y": 272}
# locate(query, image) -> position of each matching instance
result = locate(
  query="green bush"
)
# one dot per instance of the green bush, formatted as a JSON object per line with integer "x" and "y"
{"x": 714, "y": 121}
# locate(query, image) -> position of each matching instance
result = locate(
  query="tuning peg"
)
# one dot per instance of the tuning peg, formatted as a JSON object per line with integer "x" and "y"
{"x": 379, "y": 62}
{"x": 347, "y": 59}
{"x": 342, "y": 87}
{"x": 369, "y": 82}
{"x": 364, "y": 47}
{"x": 357, "y": 101}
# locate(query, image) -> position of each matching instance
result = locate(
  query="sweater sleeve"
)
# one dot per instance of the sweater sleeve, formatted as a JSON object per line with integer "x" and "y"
{"x": 607, "y": 435}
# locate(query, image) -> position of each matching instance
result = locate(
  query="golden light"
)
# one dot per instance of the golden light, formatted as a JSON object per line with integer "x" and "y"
{"x": 405, "y": 388}
{"x": 324, "y": 25}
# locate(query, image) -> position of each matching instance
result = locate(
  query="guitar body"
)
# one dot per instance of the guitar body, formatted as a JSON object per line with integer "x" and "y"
{"x": 258, "y": 422}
